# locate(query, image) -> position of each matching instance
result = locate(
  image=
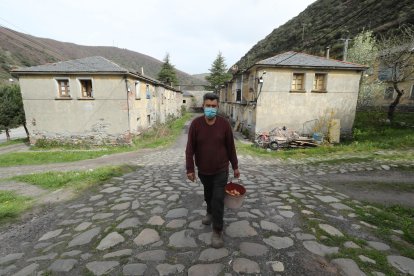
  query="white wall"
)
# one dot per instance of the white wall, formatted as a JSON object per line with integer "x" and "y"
{"x": 47, "y": 115}
{"x": 277, "y": 106}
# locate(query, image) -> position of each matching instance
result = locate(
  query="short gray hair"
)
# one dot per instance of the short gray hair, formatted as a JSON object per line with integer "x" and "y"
{"x": 210, "y": 96}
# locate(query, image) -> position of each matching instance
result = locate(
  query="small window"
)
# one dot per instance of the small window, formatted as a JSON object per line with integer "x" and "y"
{"x": 238, "y": 95}
{"x": 184, "y": 101}
{"x": 298, "y": 82}
{"x": 86, "y": 88}
{"x": 389, "y": 93}
{"x": 412, "y": 92}
{"x": 319, "y": 83}
{"x": 64, "y": 90}
{"x": 137, "y": 90}
{"x": 148, "y": 92}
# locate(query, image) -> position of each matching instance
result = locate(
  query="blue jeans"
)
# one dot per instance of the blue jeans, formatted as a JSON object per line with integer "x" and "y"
{"x": 214, "y": 196}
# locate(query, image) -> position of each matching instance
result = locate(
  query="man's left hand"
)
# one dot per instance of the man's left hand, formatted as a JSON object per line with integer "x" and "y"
{"x": 236, "y": 173}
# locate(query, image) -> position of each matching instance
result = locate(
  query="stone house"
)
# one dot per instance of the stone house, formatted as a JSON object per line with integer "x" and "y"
{"x": 196, "y": 103}
{"x": 93, "y": 100}
{"x": 299, "y": 91}
{"x": 188, "y": 100}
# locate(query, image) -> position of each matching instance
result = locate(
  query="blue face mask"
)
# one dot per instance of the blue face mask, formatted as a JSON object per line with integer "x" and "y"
{"x": 210, "y": 112}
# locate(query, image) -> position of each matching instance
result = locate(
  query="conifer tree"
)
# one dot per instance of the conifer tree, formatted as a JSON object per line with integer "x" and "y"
{"x": 218, "y": 74}
{"x": 167, "y": 73}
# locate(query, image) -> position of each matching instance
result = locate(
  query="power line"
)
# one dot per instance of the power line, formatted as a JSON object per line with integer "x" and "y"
{"x": 33, "y": 43}
{"x": 322, "y": 36}
{"x": 317, "y": 39}
{"x": 358, "y": 13}
{"x": 25, "y": 37}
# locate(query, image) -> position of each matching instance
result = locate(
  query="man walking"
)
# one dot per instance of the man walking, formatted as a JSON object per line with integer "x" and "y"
{"x": 210, "y": 141}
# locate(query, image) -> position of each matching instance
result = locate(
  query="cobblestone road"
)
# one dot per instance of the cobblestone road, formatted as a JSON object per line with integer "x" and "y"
{"x": 149, "y": 223}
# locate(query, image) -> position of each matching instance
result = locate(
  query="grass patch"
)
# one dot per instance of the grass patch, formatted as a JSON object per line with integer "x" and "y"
{"x": 370, "y": 134}
{"x": 389, "y": 218}
{"x": 405, "y": 168}
{"x": 14, "y": 142}
{"x": 382, "y": 186}
{"x": 350, "y": 253}
{"x": 78, "y": 180}
{"x": 162, "y": 135}
{"x": 159, "y": 136}
{"x": 324, "y": 237}
{"x": 336, "y": 161}
{"x": 379, "y": 257}
{"x": 36, "y": 158}
{"x": 11, "y": 205}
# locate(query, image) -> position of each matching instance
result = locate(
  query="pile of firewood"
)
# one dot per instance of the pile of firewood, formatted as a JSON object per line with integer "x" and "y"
{"x": 302, "y": 142}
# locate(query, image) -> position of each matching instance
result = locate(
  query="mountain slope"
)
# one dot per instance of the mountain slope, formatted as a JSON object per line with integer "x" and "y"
{"x": 201, "y": 76}
{"x": 18, "y": 49}
{"x": 325, "y": 22}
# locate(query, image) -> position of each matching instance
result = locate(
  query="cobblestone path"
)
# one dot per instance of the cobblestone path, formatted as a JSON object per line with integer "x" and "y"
{"x": 149, "y": 223}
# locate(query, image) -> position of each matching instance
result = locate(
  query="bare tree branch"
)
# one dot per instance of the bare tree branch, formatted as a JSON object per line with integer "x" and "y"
{"x": 397, "y": 54}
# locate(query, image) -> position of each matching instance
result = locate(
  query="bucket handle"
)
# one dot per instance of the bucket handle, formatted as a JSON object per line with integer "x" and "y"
{"x": 231, "y": 180}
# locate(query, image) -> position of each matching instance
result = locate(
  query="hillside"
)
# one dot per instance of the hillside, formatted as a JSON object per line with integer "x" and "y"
{"x": 18, "y": 49}
{"x": 201, "y": 76}
{"x": 325, "y": 22}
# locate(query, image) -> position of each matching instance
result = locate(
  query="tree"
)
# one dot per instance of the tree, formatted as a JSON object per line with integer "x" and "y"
{"x": 11, "y": 109}
{"x": 397, "y": 61}
{"x": 167, "y": 73}
{"x": 218, "y": 74}
{"x": 364, "y": 51}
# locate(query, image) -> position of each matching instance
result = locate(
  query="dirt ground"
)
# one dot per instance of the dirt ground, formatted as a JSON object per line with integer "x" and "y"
{"x": 385, "y": 187}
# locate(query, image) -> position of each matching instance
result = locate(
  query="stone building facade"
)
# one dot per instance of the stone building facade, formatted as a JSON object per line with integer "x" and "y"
{"x": 295, "y": 90}
{"x": 93, "y": 100}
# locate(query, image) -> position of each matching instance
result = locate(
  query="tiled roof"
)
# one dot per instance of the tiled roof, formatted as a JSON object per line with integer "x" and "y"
{"x": 295, "y": 59}
{"x": 89, "y": 64}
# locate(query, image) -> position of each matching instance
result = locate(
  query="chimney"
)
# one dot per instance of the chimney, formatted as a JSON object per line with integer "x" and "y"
{"x": 327, "y": 52}
{"x": 142, "y": 70}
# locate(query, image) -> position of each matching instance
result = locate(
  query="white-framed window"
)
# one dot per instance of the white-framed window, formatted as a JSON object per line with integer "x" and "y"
{"x": 137, "y": 90}
{"x": 319, "y": 82}
{"x": 86, "y": 88}
{"x": 298, "y": 82}
{"x": 63, "y": 88}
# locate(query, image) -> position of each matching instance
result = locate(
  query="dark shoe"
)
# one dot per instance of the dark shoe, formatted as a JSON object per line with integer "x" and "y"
{"x": 207, "y": 219}
{"x": 217, "y": 240}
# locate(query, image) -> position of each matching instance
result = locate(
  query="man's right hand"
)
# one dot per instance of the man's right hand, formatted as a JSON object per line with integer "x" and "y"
{"x": 191, "y": 176}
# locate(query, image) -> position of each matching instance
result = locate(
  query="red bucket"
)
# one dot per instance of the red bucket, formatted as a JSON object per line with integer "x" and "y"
{"x": 233, "y": 200}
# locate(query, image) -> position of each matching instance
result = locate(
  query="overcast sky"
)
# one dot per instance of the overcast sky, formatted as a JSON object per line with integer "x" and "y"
{"x": 191, "y": 31}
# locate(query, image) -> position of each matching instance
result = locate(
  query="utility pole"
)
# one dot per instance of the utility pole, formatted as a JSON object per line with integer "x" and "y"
{"x": 303, "y": 33}
{"x": 346, "y": 42}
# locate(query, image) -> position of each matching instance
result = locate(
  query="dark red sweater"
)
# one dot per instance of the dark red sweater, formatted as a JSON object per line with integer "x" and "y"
{"x": 212, "y": 146}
